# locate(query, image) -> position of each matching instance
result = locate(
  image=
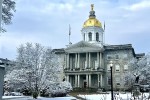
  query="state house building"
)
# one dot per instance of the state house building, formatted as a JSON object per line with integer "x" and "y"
{"x": 87, "y": 63}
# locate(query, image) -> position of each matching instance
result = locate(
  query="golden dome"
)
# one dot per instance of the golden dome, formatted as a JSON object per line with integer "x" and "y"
{"x": 92, "y": 21}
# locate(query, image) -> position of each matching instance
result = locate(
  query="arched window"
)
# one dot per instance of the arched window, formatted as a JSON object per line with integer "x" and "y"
{"x": 90, "y": 36}
{"x": 117, "y": 67}
{"x": 97, "y": 36}
{"x": 125, "y": 67}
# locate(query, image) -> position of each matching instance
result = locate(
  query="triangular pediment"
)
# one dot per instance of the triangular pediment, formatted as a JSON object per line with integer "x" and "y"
{"x": 83, "y": 46}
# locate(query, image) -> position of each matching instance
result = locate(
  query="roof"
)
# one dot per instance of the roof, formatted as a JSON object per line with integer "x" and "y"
{"x": 6, "y": 61}
{"x": 118, "y": 47}
{"x": 2, "y": 60}
{"x": 83, "y": 46}
{"x": 139, "y": 55}
{"x": 58, "y": 51}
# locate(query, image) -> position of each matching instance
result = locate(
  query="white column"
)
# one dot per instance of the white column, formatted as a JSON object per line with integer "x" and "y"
{"x": 67, "y": 78}
{"x": 101, "y": 80}
{"x": 78, "y": 60}
{"x": 70, "y": 80}
{"x": 78, "y": 80}
{"x": 98, "y": 80}
{"x": 89, "y": 80}
{"x": 75, "y": 60}
{"x": 68, "y": 60}
{"x": 98, "y": 59}
{"x": 93, "y": 36}
{"x": 89, "y": 60}
{"x": 65, "y": 61}
{"x": 86, "y": 60}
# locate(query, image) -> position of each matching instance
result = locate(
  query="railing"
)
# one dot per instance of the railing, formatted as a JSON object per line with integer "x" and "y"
{"x": 84, "y": 69}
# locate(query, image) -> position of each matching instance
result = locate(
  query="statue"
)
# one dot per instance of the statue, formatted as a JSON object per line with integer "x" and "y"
{"x": 136, "y": 78}
{"x": 92, "y": 7}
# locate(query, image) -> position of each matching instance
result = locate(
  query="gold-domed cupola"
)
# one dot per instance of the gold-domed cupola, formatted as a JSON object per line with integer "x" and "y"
{"x": 92, "y": 21}
{"x": 92, "y": 31}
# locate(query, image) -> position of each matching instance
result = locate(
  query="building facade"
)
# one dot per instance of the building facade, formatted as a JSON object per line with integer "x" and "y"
{"x": 87, "y": 63}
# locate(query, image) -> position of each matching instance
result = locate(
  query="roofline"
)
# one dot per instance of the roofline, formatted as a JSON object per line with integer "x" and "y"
{"x": 120, "y": 47}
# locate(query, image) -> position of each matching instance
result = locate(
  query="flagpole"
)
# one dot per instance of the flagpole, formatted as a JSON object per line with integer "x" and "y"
{"x": 104, "y": 33}
{"x": 69, "y": 34}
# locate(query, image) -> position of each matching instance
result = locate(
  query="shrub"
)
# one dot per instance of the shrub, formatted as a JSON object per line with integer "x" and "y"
{"x": 26, "y": 91}
{"x": 56, "y": 89}
{"x": 44, "y": 93}
{"x": 35, "y": 95}
{"x": 59, "y": 93}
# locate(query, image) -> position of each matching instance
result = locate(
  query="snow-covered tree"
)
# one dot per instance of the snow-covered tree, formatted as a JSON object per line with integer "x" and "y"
{"x": 138, "y": 68}
{"x": 8, "y": 7}
{"x": 37, "y": 67}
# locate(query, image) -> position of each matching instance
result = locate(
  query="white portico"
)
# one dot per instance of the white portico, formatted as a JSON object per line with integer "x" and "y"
{"x": 84, "y": 67}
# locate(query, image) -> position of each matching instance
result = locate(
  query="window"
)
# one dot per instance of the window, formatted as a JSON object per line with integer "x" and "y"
{"x": 108, "y": 67}
{"x": 116, "y": 56}
{"x": 97, "y": 36}
{"x": 117, "y": 83}
{"x": 125, "y": 56}
{"x": 108, "y": 80}
{"x": 117, "y": 80}
{"x": 125, "y": 67}
{"x": 117, "y": 68}
{"x": 109, "y": 57}
{"x": 90, "y": 36}
{"x": 126, "y": 80}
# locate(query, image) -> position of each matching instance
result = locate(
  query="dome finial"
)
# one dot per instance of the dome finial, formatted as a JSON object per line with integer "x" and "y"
{"x": 92, "y": 7}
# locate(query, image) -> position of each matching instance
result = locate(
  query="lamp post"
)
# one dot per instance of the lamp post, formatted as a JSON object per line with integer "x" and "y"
{"x": 111, "y": 65}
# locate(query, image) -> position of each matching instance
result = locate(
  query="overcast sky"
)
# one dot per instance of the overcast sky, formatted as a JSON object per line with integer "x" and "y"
{"x": 47, "y": 22}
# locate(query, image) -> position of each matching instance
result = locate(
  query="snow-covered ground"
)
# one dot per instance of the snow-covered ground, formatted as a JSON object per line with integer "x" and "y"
{"x": 120, "y": 96}
{"x": 39, "y": 98}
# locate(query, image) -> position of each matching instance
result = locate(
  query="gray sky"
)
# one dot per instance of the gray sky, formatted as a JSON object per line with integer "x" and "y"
{"x": 47, "y": 22}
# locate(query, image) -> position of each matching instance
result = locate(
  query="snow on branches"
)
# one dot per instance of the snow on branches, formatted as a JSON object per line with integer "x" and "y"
{"x": 139, "y": 68}
{"x": 36, "y": 67}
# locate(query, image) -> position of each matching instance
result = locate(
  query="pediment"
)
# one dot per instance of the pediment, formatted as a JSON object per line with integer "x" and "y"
{"x": 83, "y": 46}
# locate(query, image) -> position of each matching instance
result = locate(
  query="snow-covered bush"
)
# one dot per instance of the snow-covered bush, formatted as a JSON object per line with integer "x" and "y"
{"x": 58, "y": 89}
{"x": 26, "y": 91}
{"x": 66, "y": 86}
{"x": 58, "y": 93}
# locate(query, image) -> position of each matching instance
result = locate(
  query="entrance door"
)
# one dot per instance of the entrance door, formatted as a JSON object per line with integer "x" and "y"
{"x": 85, "y": 84}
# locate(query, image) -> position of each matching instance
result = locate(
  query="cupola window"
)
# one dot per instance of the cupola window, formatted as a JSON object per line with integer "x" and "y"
{"x": 90, "y": 36}
{"x": 97, "y": 36}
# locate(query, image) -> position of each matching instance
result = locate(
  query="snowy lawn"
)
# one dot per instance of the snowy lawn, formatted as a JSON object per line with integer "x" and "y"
{"x": 120, "y": 96}
{"x": 39, "y": 98}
